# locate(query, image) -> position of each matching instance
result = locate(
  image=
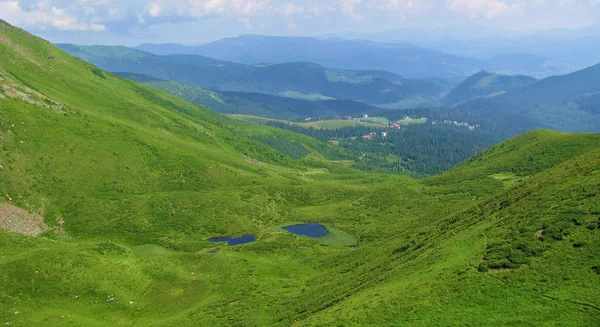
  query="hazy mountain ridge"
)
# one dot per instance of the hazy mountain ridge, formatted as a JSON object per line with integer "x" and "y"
{"x": 558, "y": 51}
{"x": 297, "y": 79}
{"x": 551, "y": 102}
{"x": 258, "y": 104}
{"x": 406, "y": 60}
{"x": 446, "y": 58}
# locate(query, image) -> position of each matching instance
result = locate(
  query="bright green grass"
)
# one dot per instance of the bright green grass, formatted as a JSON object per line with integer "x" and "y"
{"x": 320, "y": 124}
{"x": 141, "y": 179}
{"x": 508, "y": 179}
{"x": 376, "y": 120}
{"x": 334, "y": 124}
{"x": 252, "y": 119}
{"x": 419, "y": 121}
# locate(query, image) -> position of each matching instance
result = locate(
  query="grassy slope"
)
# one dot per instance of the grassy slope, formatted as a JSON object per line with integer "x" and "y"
{"x": 118, "y": 141}
{"x": 550, "y": 281}
{"x": 140, "y": 179}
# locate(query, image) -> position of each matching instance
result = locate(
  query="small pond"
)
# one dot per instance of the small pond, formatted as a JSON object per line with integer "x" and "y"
{"x": 309, "y": 230}
{"x": 231, "y": 241}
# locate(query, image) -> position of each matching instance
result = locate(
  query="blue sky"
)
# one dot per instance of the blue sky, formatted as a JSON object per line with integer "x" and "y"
{"x": 132, "y": 22}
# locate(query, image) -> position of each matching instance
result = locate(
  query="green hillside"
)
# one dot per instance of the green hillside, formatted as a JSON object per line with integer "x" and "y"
{"x": 485, "y": 85}
{"x": 299, "y": 80}
{"x": 73, "y": 134}
{"x": 123, "y": 184}
{"x": 564, "y": 103}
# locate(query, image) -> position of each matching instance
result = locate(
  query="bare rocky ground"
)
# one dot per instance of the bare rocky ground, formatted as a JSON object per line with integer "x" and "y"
{"x": 20, "y": 221}
{"x": 13, "y": 89}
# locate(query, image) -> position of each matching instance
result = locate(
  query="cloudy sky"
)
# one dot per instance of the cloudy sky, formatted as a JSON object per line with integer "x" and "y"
{"x": 131, "y": 22}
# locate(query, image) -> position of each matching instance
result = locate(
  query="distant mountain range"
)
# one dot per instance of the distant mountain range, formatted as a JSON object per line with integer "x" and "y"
{"x": 300, "y": 80}
{"x": 403, "y": 59}
{"x": 568, "y": 102}
{"x": 431, "y": 56}
{"x": 256, "y": 104}
{"x": 562, "y": 50}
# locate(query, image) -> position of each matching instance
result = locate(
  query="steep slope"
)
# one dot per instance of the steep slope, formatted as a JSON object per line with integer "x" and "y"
{"x": 484, "y": 85}
{"x": 257, "y": 104}
{"x": 76, "y": 138}
{"x": 527, "y": 256}
{"x": 297, "y": 79}
{"x": 513, "y": 161}
{"x": 552, "y": 102}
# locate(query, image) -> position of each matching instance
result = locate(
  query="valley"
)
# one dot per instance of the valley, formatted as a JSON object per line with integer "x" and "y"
{"x": 124, "y": 204}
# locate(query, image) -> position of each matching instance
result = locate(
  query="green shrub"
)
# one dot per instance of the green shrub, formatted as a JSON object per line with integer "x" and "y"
{"x": 98, "y": 72}
{"x": 483, "y": 267}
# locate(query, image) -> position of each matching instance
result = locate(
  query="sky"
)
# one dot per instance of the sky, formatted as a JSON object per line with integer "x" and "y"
{"x": 131, "y": 22}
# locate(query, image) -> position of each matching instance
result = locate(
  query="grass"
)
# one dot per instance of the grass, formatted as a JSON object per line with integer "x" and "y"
{"x": 508, "y": 179}
{"x": 376, "y": 120}
{"x": 132, "y": 181}
{"x": 320, "y": 124}
{"x": 252, "y": 119}
{"x": 334, "y": 124}
{"x": 419, "y": 121}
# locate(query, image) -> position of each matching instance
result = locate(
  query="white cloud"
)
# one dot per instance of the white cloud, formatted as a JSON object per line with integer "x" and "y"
{"x": 396, "y": 5}
{"x": 488, "y": 8}
{"x": 44, "y": 15}
{"x": 349, "y": 9}
{"x": 124, "y": 15}
{"x": 403, "y": 7}
{"x": 155, "y": 9}
{"x": 246, "y": 22}
{"x": 290, "y": 9}
{"x": 200, "y": 8}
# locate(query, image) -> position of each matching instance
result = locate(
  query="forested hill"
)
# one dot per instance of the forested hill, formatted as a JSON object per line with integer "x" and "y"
{"x": 565, "y": 102}
{"x": 485, "y": 85}
{"x": 257, "y": 104}
{"x": 301, "y": 80}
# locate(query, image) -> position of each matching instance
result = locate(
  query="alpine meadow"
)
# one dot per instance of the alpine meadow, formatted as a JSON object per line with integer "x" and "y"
{"x": 334, "y": 192}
